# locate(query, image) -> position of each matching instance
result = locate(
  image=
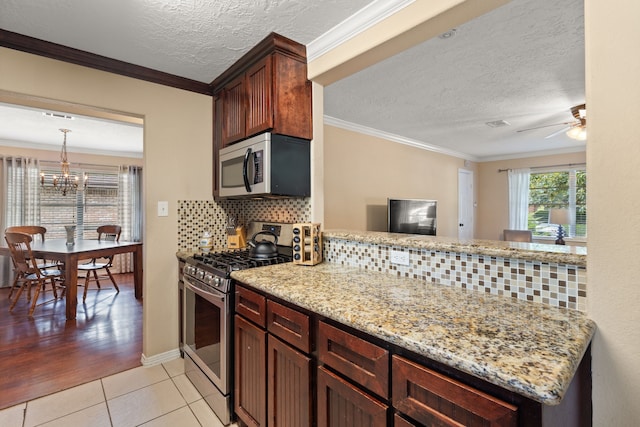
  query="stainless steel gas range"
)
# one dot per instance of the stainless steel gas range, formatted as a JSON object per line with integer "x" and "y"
{"x": 207, "y": 310}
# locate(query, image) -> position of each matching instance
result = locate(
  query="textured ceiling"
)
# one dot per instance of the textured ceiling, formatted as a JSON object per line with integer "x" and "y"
{"x": 523, "y": 63}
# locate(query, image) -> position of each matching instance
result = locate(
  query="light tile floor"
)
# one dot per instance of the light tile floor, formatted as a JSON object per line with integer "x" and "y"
{"x": 153, "y": 396}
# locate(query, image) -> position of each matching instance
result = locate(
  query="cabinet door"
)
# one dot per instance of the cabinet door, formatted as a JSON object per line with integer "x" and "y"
{"x": 342, "y": 405}
{"x": 398, "y": 421}
{"x": 259, "y": 97}
{"x": 250, "y": 392}
{"x": 436, "y": 400}
{"x": 234, "y": 110}
{"x": 289, "y": 387}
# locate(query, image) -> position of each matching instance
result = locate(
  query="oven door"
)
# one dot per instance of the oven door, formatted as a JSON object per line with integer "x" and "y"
{"x": 207, "y": 319}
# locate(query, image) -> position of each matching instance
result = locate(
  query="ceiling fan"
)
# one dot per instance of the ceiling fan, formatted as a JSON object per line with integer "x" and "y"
{"x": 576, "y": 129}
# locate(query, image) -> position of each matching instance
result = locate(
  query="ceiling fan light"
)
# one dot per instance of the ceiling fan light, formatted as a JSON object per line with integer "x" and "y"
{"x": 577, "y": 132}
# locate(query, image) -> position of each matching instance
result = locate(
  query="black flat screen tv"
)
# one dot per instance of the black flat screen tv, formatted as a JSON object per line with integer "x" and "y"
{"x": 411, "y": 216}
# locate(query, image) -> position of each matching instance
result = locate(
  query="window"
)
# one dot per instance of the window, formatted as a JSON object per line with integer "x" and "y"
{"x": 565, "y": 189}
{"x": 87, "y": 208}
{"x": 111, "y": 196}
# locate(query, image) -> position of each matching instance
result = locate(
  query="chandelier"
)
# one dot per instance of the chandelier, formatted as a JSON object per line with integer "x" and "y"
{"x": 65, "y": 182}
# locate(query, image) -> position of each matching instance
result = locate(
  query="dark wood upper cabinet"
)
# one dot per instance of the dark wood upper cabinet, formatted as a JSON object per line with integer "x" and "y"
{"x": 266, "y": 90}
{"x": 233, "y": 111}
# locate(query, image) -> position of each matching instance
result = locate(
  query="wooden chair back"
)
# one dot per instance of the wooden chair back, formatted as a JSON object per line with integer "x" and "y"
{"x": 109, "y": 232}
{"x": 33, "y": 230}
{"x": 20, "y": 248}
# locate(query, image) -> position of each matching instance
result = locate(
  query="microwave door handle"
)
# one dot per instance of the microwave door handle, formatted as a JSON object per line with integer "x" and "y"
{"x": 245, "y": 175}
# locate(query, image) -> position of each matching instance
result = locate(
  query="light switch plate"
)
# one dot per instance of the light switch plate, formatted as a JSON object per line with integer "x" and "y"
{"x": 163, "y": 208}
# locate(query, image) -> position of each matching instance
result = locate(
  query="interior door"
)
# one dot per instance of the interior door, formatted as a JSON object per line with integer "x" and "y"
{"x": 465, "y": 204}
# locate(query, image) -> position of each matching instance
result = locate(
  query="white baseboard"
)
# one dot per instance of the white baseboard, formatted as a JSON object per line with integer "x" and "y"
{"x": 160, "y": 358}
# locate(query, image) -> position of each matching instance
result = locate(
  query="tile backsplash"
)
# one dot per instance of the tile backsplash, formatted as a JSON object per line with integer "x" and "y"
{"x": 194, "y": 216}
{"x": 558, "y": 285}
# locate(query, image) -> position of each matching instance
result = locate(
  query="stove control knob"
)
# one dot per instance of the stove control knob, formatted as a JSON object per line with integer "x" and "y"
{"x": 208, "y": 278}
{"x": 217, "y": 281}
{"x": 199, "y": 274}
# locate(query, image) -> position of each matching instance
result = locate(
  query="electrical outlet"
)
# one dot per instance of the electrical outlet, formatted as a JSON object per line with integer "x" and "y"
{"x": 399, "y": 257}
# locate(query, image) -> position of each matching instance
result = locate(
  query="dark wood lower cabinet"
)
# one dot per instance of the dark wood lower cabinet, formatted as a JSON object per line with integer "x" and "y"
{"x": 289, "y": 393}
{"x": 250, "y": 392}
{"x": 398, "y": 421}
{"x": 340, "y": 404}
{"x": 295, "y": 368}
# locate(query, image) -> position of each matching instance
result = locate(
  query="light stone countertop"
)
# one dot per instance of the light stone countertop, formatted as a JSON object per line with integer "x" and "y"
{"x": 529, "y": 348}
{"x": 561, "y": 254}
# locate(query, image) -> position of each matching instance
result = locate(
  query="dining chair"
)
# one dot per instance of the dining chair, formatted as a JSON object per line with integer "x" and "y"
{"x": 105, "y": 232}
{"x": 27, "y": 271}
{"x": 36, "y": 232}
{"x": 518, "y": 235}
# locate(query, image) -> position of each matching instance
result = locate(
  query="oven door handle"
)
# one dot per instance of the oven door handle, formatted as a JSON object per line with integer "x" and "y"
{"x": 245, "y": 174}
{"x": 204, "y": 294}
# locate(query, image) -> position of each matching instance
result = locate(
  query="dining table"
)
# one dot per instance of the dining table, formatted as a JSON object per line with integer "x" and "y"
{"x": 70, "y": 254}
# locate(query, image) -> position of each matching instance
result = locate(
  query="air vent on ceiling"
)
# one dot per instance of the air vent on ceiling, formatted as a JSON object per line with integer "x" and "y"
{"x": 57, "y": 115}
{"x": 498, "y": 124}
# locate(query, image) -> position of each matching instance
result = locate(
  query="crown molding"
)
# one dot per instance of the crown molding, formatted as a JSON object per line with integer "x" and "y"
{"x": 530, "y": 154}
{"x": 332, "y": 121}
{"x": 79, "y": 150}
{"x": 59, "y": 52}
{"x": 355, "y": 24}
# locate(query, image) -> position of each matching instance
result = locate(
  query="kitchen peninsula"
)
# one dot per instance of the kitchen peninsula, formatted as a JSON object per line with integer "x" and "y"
{"x": 489, "y": 337}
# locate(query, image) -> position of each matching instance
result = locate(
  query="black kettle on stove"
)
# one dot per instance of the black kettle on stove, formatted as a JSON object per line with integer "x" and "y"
{"x": 264, "y": 249}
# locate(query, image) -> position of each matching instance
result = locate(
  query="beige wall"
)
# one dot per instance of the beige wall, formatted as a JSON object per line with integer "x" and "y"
{"x": 177, "y": 125}
{"x": 361, "y": 171}
{"x": 492, "y": 214}
{"x": 613, "y": 167}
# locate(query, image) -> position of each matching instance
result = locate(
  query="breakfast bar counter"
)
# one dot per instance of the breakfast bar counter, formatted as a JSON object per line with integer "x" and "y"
{"x": 529, "y": 348}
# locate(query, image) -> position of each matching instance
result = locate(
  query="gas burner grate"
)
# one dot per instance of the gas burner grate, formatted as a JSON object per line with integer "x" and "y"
{"x": 237, "y": 260}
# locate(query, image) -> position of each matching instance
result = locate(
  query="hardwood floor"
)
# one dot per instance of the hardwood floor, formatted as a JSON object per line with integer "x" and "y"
{"x": 47, "y": 353}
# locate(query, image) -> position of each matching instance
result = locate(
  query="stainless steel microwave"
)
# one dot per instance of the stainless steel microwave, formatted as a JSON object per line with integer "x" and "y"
{"x": 265, "y": 165}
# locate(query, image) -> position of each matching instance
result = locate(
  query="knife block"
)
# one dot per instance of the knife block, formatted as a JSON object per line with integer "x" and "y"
{"x": 307, "y": 244}
{"x": 238, "y": 240}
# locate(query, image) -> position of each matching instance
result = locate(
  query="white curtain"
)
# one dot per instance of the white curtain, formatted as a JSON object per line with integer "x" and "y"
{"x": 518, "y": 198}
{"x": 129, "y": 212}
{"x": 19, "y": 192}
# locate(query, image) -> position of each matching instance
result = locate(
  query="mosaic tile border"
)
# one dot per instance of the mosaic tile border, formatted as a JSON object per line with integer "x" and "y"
{"x": 558, "y": 285}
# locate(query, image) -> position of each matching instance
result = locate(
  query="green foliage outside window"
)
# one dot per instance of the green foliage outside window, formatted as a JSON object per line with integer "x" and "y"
{"x": 558, "y": 190}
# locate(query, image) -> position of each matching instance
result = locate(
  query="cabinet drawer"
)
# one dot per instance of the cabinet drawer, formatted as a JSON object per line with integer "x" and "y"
{"x": 434, "y": 399}
{"x": 251, "y": 305}
{"x": 363, "y": 362}
{"x": 288, "y": 324}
